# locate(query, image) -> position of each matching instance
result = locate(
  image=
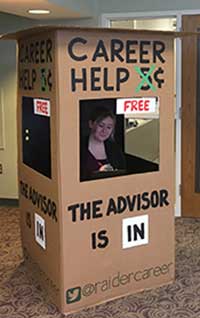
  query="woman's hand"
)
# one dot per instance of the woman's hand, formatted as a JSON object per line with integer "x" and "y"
{"x": 106, "y": 167}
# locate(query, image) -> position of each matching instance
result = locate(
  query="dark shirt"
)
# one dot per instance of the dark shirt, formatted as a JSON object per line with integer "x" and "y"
{"x": 90, "y": 165}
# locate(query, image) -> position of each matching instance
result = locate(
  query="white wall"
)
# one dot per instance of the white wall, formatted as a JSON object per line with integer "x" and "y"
{"x": 118, "y": 6}
{"x": 8, "y": 94}
{"x": 8, "y": 155}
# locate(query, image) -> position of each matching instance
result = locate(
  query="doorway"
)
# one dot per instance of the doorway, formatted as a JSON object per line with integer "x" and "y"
{"x": 191, "y": 118}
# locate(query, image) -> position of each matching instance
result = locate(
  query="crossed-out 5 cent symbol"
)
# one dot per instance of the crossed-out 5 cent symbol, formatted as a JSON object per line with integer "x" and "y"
{"x": 145, "y": 78}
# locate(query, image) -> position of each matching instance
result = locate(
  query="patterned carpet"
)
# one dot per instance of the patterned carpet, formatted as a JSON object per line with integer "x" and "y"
{"x": 21, "y": 298}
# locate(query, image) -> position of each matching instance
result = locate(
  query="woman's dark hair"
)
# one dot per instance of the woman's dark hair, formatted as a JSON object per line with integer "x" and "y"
{"x": 99, "y": 113}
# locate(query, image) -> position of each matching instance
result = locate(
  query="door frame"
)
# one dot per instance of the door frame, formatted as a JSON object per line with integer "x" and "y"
{"x": 105, "y": 22}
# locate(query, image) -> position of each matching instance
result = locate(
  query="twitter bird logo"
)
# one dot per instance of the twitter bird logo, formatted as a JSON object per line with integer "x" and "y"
{"x": 73, "y": 295}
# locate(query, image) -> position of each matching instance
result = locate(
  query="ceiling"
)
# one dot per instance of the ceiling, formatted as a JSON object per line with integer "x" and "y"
{"x": 20, "y": 7}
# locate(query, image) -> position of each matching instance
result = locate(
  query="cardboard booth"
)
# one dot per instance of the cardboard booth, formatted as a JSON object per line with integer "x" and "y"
{"x": 96, "y": 160}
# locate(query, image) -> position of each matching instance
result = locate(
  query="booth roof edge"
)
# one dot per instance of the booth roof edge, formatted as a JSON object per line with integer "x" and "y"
{"x": 44, "y": 28}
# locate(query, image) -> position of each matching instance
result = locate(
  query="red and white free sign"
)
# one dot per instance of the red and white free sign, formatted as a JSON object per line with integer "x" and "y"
{"x": 42, "y": 107}
{"x": 137, "y": 105}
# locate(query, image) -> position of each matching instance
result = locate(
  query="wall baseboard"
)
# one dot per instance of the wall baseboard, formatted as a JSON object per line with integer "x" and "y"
{"x": 9, "y": 202}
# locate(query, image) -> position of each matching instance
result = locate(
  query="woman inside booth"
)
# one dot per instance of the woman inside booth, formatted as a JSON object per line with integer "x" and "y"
{"x": 100, "y": 154}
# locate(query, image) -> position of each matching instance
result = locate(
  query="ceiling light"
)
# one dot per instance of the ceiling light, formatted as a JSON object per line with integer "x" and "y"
{"x": 39, "y": 11}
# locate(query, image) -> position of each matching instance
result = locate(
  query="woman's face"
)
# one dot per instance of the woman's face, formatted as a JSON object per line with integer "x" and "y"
{"x": 103, "y": 129}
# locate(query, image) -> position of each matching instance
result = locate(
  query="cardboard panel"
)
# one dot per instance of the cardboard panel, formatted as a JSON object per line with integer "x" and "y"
{"x": 118, "y": 233}
{"x": 38, "y": 161}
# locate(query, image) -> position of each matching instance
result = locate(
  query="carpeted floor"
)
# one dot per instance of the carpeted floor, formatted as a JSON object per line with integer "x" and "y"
{"x": 21, "y": 298}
